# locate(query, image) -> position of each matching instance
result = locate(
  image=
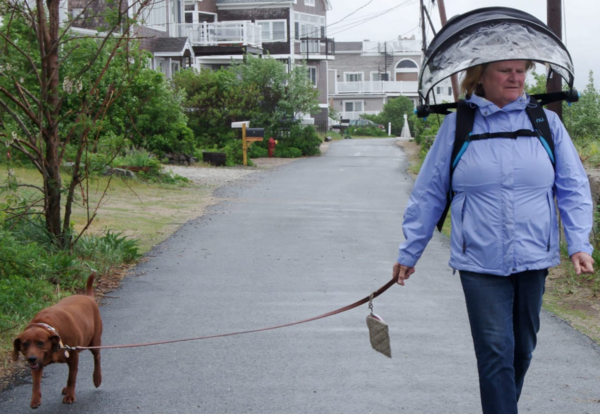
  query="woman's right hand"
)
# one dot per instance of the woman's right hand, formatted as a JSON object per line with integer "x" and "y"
{"x": 402, "y": 273}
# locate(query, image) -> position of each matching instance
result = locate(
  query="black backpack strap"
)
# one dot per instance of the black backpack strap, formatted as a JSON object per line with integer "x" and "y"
{"x": 513, "y": 135}
{"x": 465, "y": 118}
{"x": 540, "y": 124}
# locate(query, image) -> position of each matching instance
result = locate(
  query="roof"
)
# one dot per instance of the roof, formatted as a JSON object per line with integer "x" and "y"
{"x": 173, "y": 46}
{"x": 348, "y": 46}
{"x": 252, "y": 1}
{"x": 327, "y": 2}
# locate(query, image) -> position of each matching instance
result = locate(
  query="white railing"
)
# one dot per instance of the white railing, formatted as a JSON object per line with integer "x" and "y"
{"x": 402, "y": 87}
{"x": 220, "y": 33}
{"x": 357, "y": 115}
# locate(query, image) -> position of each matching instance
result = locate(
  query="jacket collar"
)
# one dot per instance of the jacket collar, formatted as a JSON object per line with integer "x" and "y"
{"x": 488, "y": 108}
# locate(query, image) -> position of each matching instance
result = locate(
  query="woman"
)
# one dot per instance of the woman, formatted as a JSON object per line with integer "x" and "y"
{"x": 504, "y": 223}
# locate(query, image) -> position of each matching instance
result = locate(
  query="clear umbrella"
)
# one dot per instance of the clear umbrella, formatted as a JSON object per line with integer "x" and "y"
{"x": 489, "y": 35}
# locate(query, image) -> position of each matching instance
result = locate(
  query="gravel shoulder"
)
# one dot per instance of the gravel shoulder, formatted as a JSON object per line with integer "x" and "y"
{"x": 219, "y": 176}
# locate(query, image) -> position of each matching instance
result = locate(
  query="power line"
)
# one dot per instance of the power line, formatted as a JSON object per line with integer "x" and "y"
{"x": 405, "y": 3}
{"x": 345, "y": 17}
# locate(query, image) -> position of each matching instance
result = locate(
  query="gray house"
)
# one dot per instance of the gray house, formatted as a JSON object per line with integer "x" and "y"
{"x": 366, "y": 75}
{"x": 210, "y": 33}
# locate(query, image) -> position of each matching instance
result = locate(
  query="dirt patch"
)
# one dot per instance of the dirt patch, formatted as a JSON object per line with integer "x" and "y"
{"x": 412, "y": 150}
{"x": 574, "y": 299}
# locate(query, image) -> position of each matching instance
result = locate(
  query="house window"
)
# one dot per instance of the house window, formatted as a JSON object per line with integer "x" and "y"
{"x": 380, "y": 76}
{"x": 309, "y": 25}
{"x": 160, "y": 65}
{"x": 312, "y": 75}
{"x": 155, "y": 15}
{"x": 309, "y": 2}
{"x": 76, "y": 12}
{"x": 438, "y": 90}
{"x": 353, "y": 77}
{"x": 189, "y": 9}
{"x": 449, "y": 90}
{"x": 193, "y": 15}
{"x": 353, "y": 106}
{"x": 175, "y": 66}
{"x": 273, "y": 30}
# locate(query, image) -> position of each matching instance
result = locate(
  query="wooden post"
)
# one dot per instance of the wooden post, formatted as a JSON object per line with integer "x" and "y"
{"x": 554, "y": 11}
{"x": 453, "y": 78}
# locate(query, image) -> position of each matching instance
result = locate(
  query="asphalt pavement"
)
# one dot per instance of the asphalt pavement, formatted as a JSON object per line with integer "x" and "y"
{"x": 282, "y": 246}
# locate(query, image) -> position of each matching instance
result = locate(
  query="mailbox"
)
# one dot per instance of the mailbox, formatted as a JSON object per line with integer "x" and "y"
{"x": 344, "y": 122}
{"x": 255, "y": 132}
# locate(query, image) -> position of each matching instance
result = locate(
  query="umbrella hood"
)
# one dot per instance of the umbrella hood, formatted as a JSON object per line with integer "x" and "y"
{"x": 488, "y": 35}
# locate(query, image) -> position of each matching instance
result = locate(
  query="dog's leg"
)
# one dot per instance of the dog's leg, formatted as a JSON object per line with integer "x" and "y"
{"x": 36, "y": 395}
{"x": 69, "y": 390}
{"x": 97, "y": 376}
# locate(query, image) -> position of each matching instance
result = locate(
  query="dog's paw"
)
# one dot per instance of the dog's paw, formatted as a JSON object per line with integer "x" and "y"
{"x": 35, "y": 402}
{"x": 69, "y": 399}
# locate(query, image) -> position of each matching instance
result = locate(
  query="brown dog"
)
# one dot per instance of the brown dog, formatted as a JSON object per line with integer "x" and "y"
{"x": 74, "y": 321}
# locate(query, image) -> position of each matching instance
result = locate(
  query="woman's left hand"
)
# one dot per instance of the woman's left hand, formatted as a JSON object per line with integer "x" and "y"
{"x": 582, "y": 262}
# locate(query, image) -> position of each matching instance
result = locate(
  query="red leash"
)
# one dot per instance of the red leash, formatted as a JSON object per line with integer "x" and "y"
{"x": 325, "y": 315}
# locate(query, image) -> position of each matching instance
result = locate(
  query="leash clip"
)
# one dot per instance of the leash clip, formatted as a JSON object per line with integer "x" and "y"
{"x": 371, "y": 303}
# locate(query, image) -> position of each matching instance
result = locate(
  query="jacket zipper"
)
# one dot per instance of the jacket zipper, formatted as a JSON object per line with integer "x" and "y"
{"x": 550, "y": 201}
{"x": 462, "y": 219}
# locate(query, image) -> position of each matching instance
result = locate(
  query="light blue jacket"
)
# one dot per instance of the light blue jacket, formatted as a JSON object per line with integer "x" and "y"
{"x": 504, "y": 218}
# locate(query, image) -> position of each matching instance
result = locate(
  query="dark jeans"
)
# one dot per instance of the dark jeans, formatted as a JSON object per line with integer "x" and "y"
{"x": 504, "y": 312}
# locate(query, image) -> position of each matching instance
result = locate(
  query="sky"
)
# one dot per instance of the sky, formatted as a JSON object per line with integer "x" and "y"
{"x": 388, "y": 19}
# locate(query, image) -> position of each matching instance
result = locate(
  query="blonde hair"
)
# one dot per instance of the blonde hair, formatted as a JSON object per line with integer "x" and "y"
{"x": 471, "y": 84}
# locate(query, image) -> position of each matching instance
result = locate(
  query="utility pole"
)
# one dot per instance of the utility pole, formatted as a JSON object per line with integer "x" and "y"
{"x": 453, "y": 78}
{"x": 424, "y": 47}
{"x": 554, "y": 84}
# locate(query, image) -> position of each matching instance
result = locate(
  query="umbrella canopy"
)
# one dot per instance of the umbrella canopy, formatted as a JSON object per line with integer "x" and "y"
{"x": 488, "y": 35}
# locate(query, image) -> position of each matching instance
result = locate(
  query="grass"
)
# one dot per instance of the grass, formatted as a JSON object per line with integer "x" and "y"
{"x": 148, "y": 212}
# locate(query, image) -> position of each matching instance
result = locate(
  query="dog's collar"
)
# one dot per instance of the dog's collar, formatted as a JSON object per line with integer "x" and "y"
{"x": 55, "y": 332}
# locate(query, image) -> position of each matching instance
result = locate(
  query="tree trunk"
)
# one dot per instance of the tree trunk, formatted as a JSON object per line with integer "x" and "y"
{"x": 52, "y": 178}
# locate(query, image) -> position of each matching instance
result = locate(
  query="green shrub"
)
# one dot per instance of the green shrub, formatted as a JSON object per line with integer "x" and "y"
{"x": 138, "y": 158}
{"x": 107, "y": 251}
{"x": 367, "y": 131}
{"x": 282, "y": 151}
{"x": 257, "y": 151}
{"x": 303, "y": 138}
{"x": 21, "y": 298}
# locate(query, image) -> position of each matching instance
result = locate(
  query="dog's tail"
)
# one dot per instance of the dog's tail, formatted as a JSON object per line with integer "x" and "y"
{"x": 89, "y": 289}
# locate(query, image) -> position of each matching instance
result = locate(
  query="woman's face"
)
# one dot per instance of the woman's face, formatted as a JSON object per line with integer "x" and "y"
{"x": 503, "y": 82}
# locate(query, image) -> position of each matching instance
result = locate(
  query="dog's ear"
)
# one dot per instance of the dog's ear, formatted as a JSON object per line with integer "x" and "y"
{"x": 55, "y": 341}
{"x": 16, "y": 349}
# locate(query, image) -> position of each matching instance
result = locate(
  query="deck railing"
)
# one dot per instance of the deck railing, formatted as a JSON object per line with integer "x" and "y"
{"x": 402, "y": 87}
{"x": 221, "y": 33}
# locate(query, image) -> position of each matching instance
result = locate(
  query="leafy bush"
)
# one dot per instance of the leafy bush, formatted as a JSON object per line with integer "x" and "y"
{"x": 257, "y": 151}
{"x": 287, "y": 152}
{"x": 107, "y": 251}
{"x": 303, "y": 138}
{"x": 367, "y": 131}
{"x": 394, "y": 111}
{"x": 138, "y": 158}
{"x": 21, "y": 298}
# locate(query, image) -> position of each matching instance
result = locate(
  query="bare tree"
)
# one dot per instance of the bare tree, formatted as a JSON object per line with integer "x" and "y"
{"x": 33, "y": 110}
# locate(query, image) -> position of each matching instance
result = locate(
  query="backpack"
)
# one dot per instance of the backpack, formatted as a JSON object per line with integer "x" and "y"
{"x": 465, "y": 118}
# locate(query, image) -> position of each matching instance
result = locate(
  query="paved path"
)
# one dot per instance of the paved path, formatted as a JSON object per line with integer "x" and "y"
{"x": 289, "y": 244}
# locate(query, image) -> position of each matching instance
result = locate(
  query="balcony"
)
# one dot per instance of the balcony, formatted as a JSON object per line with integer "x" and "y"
{"x": 219, "y": 34}
{"x": 377, "y": 87}
{"x": 315, "y": 47}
